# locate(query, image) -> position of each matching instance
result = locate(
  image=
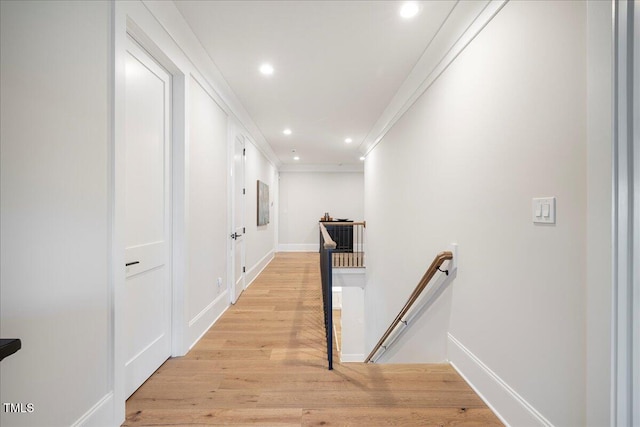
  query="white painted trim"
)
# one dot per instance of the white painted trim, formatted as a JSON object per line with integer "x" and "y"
{"x": 237, "y": 286}
{"x": 349, "y": 271}
{"x": 100, "y": 414}
{"x": 259, "y": 267}
{"x": 180, "y": 208}
{"x": 625, "y": 388}
{"x": 218, "y": 307}
{"x": 463, "y": 24}
{"x": 142, "y": 352}
{"x": 117, "y": 214}
{"x": 358, "y": 167}
{"x": 115, "y": 364}
{"x": 173, "y": 23}
{"x": 161, "y": 29}
{"x": 204, "y": 311}
{"x": 635, "y": 255}
{"x": 139, "y": 43}
{"x": 347, "y": 358}
{"x": 231, "y": 132}
{"x": 504, "y": 401}
{"x": 133, "y": 17}
{"x": 276, "y": 208}
{"x": 299, "y": 247}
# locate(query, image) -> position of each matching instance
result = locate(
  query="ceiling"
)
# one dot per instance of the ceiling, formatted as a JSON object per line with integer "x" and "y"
{"x": 337, "y": 65}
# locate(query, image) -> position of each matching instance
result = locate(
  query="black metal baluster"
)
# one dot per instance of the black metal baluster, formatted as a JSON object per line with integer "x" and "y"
{"x": 327, "y": 295}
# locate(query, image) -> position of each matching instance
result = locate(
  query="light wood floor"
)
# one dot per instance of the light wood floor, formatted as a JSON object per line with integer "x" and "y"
{"x": 263, "y": 363}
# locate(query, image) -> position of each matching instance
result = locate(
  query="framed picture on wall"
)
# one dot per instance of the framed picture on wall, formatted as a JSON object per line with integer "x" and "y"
{"x": 263, "y": 203}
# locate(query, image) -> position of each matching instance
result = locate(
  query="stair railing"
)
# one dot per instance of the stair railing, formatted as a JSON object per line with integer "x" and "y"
{"x": 327, "y": 246}
{"x": 422, "y": 285}
{"x": 349, "y": 239}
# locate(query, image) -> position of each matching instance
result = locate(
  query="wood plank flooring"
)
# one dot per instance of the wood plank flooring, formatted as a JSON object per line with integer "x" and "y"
{"x": 263, "y": 363}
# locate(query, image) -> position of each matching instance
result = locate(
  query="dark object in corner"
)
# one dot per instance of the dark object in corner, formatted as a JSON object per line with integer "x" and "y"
{"x": 9, "y": 346}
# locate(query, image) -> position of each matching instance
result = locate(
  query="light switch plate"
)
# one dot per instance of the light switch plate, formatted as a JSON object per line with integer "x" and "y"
{"x": 544, "y": 210}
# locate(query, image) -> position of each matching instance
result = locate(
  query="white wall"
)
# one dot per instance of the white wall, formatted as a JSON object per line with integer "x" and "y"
{"x": 54, "y": 291}
{"x": 186, "y": 51}
{"x": 260, "y": 241}
{"x": 212, "y": 115}
{"x": 504, "y": 123}
{"x": 426, "y": 335}
{"x": 306, "y": 196}
{"x": 519, "y": 92}
{"x": 61, "y": 195}
{"x": 206, "y": 210}
{"x": 599, "y": 176}
{"x": 350, "y": 282}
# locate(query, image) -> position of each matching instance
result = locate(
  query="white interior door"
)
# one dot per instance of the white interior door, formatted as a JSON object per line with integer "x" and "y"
{"x": 238, "y": 215}
{"x": 147, "y": 223}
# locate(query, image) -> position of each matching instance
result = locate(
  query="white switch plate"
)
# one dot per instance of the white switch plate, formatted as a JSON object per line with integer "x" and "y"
{"x": 544, "y": 210}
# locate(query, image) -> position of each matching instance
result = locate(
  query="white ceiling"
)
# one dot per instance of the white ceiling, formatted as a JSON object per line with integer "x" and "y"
{"x": 337, "y": 66}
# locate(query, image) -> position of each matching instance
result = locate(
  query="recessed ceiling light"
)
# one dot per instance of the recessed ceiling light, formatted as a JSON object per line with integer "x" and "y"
{"x": 348, "y": 140}
{"x": 287, "y": 131}
{"x": 266, "y": 69}
{"x": 296, "y": 158}
{"x": 362, "y": 158}
{"x": 409, "y": 9}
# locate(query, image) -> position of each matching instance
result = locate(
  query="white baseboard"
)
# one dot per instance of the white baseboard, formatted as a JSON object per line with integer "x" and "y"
{"x": 200, "y": 324}
{"x": 203, "y": 321}
{"x": 255, "y": 271}
{"x": 505, "y": 402}
{"x": 352, "y": 358}
{"x": 101, "y": 414}
{"x": 299, "y": 247}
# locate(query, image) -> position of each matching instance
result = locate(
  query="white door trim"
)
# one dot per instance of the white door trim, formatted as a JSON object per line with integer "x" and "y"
{"x": 234, "y": 292}
{"x": 124, "y": 25}
{"x": 231, "y": 137}
{"x": 154, "y": 254}
{"x": 625, "y": 360}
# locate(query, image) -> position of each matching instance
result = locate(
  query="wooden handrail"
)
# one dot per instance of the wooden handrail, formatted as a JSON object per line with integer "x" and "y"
{"x": 328, "y": 241}
{"x": 428, "y": 275}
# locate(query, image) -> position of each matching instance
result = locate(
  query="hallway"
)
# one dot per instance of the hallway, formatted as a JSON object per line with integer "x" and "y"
{"x": 263, "y": 362}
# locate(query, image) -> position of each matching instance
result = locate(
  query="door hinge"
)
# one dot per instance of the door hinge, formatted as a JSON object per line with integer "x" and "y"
{"x": 244, "y": 269}
{"x": 244, "y": 191}
{"x": 244, "y": 230}
{"x": 244, "y": 151}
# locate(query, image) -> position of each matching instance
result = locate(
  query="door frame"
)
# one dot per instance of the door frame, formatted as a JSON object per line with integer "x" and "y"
{"x": 625, "y": 356}
{"x": 138, "y": 50}
{"x": 124, "y": 25}
{"x": 235, "y": 135}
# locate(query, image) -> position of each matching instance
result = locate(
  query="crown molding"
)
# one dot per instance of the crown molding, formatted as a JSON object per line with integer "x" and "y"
{"x": 464, "y": 23}
{"x": 169, "y": 17}
{"x": 323, "y": 168}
